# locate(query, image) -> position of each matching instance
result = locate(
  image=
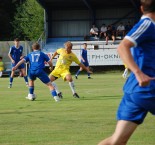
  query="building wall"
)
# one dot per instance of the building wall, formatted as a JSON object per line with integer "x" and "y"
{"x": 70, "y": 23}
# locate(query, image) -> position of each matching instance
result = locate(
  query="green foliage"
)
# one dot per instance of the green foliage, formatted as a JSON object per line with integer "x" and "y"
{"x": 28, "y": 20}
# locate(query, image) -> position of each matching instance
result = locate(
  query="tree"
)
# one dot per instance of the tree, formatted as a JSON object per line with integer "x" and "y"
{"x": 7, "y": 9}
{"x": 28, "y": 20}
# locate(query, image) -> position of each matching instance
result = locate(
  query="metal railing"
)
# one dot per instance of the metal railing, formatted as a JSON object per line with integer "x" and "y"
{"x": 42, "y": 40}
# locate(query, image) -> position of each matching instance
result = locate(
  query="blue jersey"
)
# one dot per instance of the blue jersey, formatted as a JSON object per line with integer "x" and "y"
{"x": 143, "y": 37}
{"x": 37, "y": 60}
{"x": 84, "y": 54}
{"x": 16, "y": 53}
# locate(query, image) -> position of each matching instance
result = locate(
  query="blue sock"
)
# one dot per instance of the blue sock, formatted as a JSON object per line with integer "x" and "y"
{"x": 53, "y": 93}
{"x": 78, "y": 72}
{"x": 31, "y": 89}
{"x": 88, "y": 74}
{"x": 26, "y": 79}
{"x": 11, "y": 80}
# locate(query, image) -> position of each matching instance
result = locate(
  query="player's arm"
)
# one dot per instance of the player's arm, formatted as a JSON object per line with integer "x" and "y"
{"x": 82, "y": 58}
{"x": 85, "y": 68}
{"x": 18, "y": 64}
{"x": 50, "y": 65}
{"x": 125, "y": 54}
{"x": 9, "y": 55}
{"x": 22, "y": 57}
{"x": 54, "y": 54}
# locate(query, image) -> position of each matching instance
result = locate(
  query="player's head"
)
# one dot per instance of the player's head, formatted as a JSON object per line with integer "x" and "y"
{"x": 36, "y": 46}
{"x": 16, "y": 41}
{"x": 85, "y": 45}
{"x": 1, "y": 58}
{"x": 148, "y": 6}
{"x": 68, "y": 46}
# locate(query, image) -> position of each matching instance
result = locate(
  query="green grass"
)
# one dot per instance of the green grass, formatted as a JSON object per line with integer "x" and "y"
{"x": 84, "y": 121}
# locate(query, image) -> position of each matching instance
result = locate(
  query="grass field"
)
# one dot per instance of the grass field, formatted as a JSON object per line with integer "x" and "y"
{"x": 72, "y": 121}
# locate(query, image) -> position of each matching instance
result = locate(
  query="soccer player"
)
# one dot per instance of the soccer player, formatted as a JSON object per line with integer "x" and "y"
{"x": 1, "y": 66}
{"x": 139, "y": 89}
{"x": 36, "y": 60}
{"x": 66, "y": 57}
{"x": 84, "y": 60}
{"x": 16, "y": 54}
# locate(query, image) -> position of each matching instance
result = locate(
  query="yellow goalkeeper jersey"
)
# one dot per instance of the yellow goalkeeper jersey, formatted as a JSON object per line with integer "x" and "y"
{"x": 1, "y": 66}
{"x": 65, "y": 60}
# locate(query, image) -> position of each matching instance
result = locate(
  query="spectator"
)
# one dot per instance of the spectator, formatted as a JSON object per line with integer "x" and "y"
{"x": 120, "y": 30}
{"x": 94, "y": 31}
{"x": 1, "y": 66}
{"x": 128, "y": 27}
{"x": 110, "y": 35}
{"x": 103, "y": 31}
{"x": 113, "y": 29}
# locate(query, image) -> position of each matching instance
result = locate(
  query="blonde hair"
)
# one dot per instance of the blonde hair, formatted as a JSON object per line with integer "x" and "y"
{"x": 68, "y": 44}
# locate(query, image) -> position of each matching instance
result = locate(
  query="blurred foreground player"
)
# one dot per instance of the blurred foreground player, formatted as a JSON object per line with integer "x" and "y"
{"x": 139, "y": 89}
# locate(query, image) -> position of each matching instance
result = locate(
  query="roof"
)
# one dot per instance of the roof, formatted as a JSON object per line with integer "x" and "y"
{"x": 85, "y": 4}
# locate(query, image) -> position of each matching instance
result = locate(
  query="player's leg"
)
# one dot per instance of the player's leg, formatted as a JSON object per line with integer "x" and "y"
{"x": 46, "y": 80}
{"x": 11, "y": 79}
{"x": 131, "y": 112}
{"x": 24, "y": 74}
{"x": 88, "y": 73}
{"x": 53, "y": 92}
{"x": 87, "y": 66}
{"x": 68, "y": 78}
{"x": 123, "y": 131}
{"x": 56, "y": 89}
{"x": 113, "y": 39}
{"x": 31, "y": 96}
{"x": 53, "y": 76}
{"x": 78, "y": 72}
{"x": 107, "y": 38}
{"x": 1, "y": 73}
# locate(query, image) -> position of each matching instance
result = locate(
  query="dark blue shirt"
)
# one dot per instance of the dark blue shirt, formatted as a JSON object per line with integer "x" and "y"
{"x": 84, "y": 54}
{"x": 16, "y": 53}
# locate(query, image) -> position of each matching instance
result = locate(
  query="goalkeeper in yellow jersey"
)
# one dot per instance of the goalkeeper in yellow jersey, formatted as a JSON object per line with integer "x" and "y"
{"x": 66, "y": 57}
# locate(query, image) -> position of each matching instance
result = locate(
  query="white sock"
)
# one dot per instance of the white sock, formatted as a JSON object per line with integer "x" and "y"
{"x": 126, "y": 71}
{"x": 71, "y": 84}
{"x": 1, "y": 73}
{"x": 125, "y": 74}
{"x": 55, "y": 87}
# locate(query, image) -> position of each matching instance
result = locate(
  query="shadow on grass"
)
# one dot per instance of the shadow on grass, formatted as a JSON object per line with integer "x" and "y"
{"x": 102, "y": 98}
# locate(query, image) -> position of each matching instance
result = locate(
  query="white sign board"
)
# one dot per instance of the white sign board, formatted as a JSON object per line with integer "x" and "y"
{"x": 99, "y": 57}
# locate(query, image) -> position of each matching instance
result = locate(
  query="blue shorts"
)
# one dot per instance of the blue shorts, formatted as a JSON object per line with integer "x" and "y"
{"x": 33, "y": 74}
{"x": 19, "y": 67}
{"x": 134, "y": 107}
{"x": 85, "y": 63}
